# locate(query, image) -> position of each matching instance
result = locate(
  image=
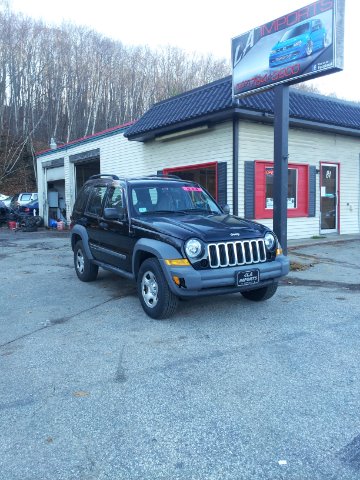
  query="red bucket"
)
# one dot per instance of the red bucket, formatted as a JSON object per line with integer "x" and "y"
{"x": 12, "y": 225}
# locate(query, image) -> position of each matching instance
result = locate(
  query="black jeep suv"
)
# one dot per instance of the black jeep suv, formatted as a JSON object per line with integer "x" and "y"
{"x": 172, "y": 238}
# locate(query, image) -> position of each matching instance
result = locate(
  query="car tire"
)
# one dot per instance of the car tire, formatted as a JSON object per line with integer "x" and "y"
{"x": 260, "y": 294}
{"x": 326, "y": 41}
{"x": 156, "y": 298}
{"x": 39, "y": 221}
{"x": 309, "y": 48}
{"x": 85, "y": 270}
{"x": 28, "y": 224}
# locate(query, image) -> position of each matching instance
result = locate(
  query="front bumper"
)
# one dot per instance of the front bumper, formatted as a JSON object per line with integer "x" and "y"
{"x": 218, "y": 281}
{"x": 280, "y": 59}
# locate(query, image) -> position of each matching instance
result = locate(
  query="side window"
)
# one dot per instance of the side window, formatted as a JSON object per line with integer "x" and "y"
{"x": 81, "y": 199}
{"x": 115, "y": 198}
{"x": 25, "y": 197}
{"x": 94, "y": 206}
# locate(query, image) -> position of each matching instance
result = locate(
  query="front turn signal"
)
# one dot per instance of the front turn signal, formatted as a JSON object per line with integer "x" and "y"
{"x": 178, "y": 262}
{"x": 279, "y": 251}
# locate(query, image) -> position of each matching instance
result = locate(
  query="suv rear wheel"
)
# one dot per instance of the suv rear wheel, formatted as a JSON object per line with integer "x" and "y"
{"x": 156, "y": 298}
{"x": 85, "y": 270}
{"x": 259, "y": 294}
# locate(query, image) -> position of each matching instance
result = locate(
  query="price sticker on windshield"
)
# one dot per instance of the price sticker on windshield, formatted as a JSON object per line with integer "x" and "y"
{"x": 192, "y": 189}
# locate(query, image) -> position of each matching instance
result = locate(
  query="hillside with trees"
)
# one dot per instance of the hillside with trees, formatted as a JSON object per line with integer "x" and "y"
{"x": 69, "y": 82}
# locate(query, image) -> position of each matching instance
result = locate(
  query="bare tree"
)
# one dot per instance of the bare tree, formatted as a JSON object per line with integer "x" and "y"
{"x": 69, "y": 81}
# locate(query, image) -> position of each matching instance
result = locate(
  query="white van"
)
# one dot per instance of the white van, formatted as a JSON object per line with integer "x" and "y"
{"x": 23, "y": 198}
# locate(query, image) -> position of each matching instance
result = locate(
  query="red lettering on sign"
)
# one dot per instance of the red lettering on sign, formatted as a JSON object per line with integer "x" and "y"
{"x": 261, "y": 80}
{"x": 295, "y": 17}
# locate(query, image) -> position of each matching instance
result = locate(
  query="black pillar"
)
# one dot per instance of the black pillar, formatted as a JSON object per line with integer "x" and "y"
{"x": 281, "y": 130}
{"x": 235, "y": 166}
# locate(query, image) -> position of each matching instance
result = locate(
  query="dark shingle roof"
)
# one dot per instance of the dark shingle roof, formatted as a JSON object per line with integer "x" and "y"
{"x": 216, "y": 97}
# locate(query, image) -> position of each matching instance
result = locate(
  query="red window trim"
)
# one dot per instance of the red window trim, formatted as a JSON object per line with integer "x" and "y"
{"x": 302, "y": 209}
{"x": 169, "y": 171}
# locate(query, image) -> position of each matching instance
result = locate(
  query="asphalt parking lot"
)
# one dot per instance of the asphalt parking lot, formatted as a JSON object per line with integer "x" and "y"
{"x": 93, "y": 389}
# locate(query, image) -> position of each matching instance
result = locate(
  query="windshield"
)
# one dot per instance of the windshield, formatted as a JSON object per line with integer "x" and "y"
{"x": 172, "y": 198}
{"x": 296, "y": 31}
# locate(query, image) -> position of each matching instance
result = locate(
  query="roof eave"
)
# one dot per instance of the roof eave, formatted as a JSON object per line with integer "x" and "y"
{"x": 210, "y": 118}
{"x": 90, "y": 138}
{"x": 266, "y": 117}
{"x": 248, "y": 114}
{"x": 324, "y": 127}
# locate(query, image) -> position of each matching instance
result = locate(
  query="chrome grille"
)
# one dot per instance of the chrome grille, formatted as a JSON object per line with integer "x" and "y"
{"x": 229, "y": 254}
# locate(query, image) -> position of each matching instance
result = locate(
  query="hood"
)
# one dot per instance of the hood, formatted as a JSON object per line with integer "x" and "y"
{"x": 208, "y": 228}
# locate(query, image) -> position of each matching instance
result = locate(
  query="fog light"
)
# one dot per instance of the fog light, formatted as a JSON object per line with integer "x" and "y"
{"x": 179, "y": 281}
{"x": 279, "y": 251}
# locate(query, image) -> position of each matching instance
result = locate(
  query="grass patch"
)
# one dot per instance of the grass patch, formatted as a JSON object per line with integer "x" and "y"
{"x": 298, "y": 267}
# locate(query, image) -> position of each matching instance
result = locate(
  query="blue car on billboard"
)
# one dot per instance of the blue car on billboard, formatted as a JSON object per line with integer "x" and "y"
{"x": 298, "y": 42}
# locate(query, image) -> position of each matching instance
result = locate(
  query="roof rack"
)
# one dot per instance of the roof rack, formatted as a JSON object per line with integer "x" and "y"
{"x": 114, "y": 177}
{"x": 163, "y": 175}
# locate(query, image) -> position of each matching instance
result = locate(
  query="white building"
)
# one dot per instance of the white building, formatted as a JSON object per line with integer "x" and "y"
{"x": 228, "y": 148}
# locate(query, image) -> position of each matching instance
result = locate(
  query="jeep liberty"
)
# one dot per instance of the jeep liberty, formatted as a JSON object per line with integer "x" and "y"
{"x": 172, "y": 238}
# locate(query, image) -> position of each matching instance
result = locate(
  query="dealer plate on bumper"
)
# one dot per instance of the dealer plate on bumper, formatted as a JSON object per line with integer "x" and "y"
{"x": 249, "y": 277}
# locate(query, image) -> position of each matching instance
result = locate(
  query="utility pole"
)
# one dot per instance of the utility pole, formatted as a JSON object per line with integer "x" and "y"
{"x": 281, "y": 154}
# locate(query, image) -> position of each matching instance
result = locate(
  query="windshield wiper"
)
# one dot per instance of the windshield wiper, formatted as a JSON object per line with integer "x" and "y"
{"x": 152, "y": 212}
{"x": 197, "y": 210}
{"x": 164, "y": 211}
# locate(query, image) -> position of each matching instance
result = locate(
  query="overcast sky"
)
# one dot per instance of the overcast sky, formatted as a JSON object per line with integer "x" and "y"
{"x": 195, "y": 25}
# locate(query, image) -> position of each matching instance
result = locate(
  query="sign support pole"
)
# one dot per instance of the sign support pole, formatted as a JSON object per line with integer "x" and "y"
{"x": 281, "y": 131}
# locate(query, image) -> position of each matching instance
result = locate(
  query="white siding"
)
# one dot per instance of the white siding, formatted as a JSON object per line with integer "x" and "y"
{"x": 125, "y": 158}
{"x": 41, "y": 184}
{"x": 116, "y": 152}
{"x": 214, "y": 145}
{"x": 309, "y": 147}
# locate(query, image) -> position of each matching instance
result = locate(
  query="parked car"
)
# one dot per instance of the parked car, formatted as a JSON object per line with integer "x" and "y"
{"x": 4, "y": 212}
{"x": 299, "y": 42}
{"x": 22, "y": 198}
{"x": 31, "y": 208}
{"x": 6, "y": 199}
{"x": 171, "y": 237}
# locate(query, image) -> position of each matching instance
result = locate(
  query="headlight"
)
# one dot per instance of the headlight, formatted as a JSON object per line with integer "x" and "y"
{"x": 269, "y": 241}
{"x": 193, "y": 248}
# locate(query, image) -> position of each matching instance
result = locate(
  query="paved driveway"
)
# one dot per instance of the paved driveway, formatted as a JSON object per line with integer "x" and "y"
{"x": 91, "y": 388}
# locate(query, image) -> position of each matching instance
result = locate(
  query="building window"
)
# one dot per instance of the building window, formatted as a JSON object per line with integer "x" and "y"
{"x": 292, "y": 188}
{"x": 298, "y": 190}
{"x": 205, "y": 175}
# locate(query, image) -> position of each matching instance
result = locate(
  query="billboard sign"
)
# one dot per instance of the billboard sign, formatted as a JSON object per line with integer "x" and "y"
{"x": 303, "y": 44}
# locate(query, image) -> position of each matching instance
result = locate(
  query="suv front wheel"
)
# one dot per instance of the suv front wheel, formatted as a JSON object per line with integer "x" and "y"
{"x": 85, "y": 270}
{"x": 155, "y": 295}
{"x": 260, "y": 294}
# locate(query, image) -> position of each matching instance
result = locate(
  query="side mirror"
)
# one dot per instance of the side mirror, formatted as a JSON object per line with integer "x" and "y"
{"x": 226, "y": 209}
{"x": 114, "y": 213}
